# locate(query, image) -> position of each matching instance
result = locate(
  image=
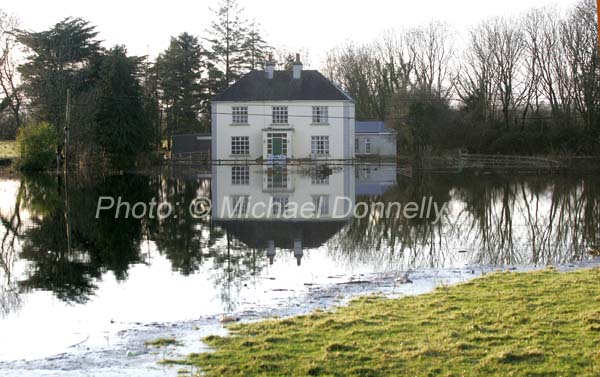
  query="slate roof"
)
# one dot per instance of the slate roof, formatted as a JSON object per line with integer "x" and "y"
{"x": 370, "y": 127}
{"x": 255, "y": 86}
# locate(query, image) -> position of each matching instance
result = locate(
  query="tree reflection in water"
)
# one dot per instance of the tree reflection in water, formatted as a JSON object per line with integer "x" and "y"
{"x": 496, "y": 219}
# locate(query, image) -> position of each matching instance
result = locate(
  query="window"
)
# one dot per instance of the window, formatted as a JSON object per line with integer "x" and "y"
{"x": 240, "y": 175}
{"x": 279, "y": 204}
{"x": 239, "y": 114}
{"x": 240, "y": 145}
{"x": 280, "y": 115}
{"x": 356, "y": 146}
{"x": 367, "y": 146}
{"x": 239, "y": 203}
{"x": 320, "y": 115}
{"x": 320, "y": 145}
{"x": 321, "y": 203}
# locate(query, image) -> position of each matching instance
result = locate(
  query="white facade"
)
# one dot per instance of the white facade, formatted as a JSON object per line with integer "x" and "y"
{"x": 303, "y": 136}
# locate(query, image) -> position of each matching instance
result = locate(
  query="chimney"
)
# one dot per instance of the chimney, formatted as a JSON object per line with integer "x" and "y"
{"x": 270, "y": 66}
{"x": 297, "y": 68}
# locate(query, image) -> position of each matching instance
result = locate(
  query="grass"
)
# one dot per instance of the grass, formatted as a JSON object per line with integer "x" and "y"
{"x": 8, "y": 149}
{"x": 163, "y": 342}
{"x": 542, "y": 323}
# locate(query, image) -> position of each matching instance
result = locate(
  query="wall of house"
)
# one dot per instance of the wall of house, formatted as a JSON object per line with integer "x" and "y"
{"x": 340, "y": 128}
{"x": 381, "y": 144}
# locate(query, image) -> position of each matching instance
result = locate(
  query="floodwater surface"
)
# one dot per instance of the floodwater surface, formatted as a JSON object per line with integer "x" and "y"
{"x": 75, "y": 279}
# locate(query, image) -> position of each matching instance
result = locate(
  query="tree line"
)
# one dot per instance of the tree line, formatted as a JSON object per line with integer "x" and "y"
{"x": 526, "y": 84}
{"x": 515, "y": 85}
{"x": 121, "y": 107}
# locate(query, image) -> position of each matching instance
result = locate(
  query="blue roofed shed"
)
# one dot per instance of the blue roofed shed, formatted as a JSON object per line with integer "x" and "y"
{"x": 373, "y": 138}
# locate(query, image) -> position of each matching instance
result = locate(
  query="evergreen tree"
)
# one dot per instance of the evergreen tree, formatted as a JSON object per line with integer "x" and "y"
{"x": 228, "y": 37}
{"x": 63, "y": 57}
{"x": 151, "y": 95}
{"x": 255, "y": 48}
{"x": 123, "y": 129}
{"x": 180, "y": 71}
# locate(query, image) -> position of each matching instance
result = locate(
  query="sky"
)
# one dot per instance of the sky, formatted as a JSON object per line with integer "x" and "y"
{"x": 313, "y": 25}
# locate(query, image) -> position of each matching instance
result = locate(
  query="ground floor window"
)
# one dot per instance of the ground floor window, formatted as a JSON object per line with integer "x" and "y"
{"x": 240, "y": 175}
{"x": 240, "y": 145}
{"x": 356, "y": 146}
{"x": 277, "y": 144}
{"x": 367, "y": 146}
{"x": 320, "y": 145}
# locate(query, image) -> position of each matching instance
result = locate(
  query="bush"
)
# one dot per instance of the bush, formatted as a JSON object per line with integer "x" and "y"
{"x": 37, "y": 146}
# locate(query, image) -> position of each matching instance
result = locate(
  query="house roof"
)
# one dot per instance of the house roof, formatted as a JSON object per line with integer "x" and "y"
{"x": 370, "y": 127}
{"x": 255, "y": 86}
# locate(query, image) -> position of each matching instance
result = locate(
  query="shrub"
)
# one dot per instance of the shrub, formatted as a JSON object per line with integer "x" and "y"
{"x": 37, "y": 144}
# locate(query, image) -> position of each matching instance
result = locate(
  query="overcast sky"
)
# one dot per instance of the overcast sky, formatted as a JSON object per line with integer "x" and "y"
{"x": 316, "y": 25}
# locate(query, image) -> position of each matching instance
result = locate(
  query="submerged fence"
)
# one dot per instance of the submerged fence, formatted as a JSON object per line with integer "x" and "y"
{"x": 466, "y": 161}
{"x": 505, "y": 162}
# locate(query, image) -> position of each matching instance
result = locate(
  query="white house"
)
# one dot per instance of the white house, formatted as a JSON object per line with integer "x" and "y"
{"x": 297, "y": 114}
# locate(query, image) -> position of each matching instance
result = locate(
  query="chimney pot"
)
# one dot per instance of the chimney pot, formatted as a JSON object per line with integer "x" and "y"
{"x": 270, "y": 66}
{"x": 297, "y": 68}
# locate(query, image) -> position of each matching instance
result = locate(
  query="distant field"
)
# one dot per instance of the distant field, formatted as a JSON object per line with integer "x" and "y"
{"x": 8, "y": 149}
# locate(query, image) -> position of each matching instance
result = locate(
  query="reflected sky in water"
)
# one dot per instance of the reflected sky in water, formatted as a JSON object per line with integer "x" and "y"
{"x": 65, "y": 275}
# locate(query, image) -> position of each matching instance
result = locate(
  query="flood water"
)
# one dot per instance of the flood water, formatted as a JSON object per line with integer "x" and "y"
{"x": 68, "y": 278}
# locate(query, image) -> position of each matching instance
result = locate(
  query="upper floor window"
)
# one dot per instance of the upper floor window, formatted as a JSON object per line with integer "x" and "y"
{"x": 319, "y": 145}
{"x": 240, "y": 145}
{"x": 280, "y": 115}
{"x": 320, "y": 115}
{"x": 239, "y": 114}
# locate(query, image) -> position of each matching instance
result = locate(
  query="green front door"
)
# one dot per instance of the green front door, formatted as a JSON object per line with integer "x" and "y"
{"x": 277, "y": 146}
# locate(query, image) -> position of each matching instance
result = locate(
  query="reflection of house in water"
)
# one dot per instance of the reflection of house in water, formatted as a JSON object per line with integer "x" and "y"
{"x": 250, "y": 202}
{"x": 374, "y": 180}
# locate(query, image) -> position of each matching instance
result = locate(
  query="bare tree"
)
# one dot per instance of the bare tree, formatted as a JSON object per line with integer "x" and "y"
{"x": 474, "y": 79}
{"x": 579, "y": 34}
{"x": 432, "y": 46}
{"x": 12, "y": 98}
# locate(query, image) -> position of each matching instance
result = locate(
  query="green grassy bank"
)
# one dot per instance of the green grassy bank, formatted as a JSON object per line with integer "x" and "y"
{"x": 537, "y": 324}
